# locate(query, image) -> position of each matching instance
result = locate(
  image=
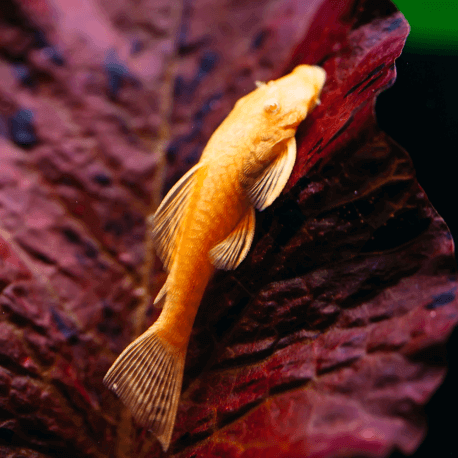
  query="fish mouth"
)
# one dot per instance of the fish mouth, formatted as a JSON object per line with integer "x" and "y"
{"x": 292, "y": 126}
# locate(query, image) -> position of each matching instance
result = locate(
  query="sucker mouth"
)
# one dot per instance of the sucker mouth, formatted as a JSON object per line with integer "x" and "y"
{"x": 292, "y": 126}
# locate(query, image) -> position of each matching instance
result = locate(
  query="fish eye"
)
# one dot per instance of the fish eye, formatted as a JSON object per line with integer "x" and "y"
{"x": 271, "y": 106}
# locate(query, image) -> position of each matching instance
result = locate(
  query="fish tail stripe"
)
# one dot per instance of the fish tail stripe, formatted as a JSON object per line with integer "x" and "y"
{"x": 147, "y": 377}
{"x": 168, "y": 419}
{"x": 159, "y": 382}
{"x": 143, "y": 376}
{"x": 145, "y": 404}
{"x": 148, "y": 382}
{"x": 159, "y": 400}
{"x": 172, "y": 399}
{"x": 155, "y": 374}
{"x": 131, "y": 362}
{"x": 166, "y": 414}
{"x": 129, "y": 354}
{"x": 139, "y": 379}
{"x": 121, "y": 387}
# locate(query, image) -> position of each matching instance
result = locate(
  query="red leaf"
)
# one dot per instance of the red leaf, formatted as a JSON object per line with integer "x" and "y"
{"x": 327, "y": 341}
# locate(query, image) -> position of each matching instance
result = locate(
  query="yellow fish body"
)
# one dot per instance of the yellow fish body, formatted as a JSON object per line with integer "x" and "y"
{"x": 207, "y": 220}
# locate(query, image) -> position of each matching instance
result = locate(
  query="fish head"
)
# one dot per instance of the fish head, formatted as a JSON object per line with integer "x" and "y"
{"x": 289, "y": 99}
{"x": 284, "y": 102}
{"x": 275, "y": 109}
{"x": 270, "y": 115}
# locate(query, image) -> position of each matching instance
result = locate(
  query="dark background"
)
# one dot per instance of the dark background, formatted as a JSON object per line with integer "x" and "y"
{"x": 420, "y": 112}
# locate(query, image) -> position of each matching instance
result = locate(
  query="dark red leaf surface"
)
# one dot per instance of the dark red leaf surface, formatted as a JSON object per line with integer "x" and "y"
{"x": 326, "y": 342}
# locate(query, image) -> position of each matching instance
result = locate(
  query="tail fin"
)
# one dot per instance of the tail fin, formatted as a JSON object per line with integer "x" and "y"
{"x": 147, "y": 376}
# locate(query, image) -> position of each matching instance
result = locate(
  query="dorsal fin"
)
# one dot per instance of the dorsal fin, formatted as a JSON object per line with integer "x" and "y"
{"x": 167, "y": 219}
{"x": 229, "y": 253}
{"x": 268, "y": 186}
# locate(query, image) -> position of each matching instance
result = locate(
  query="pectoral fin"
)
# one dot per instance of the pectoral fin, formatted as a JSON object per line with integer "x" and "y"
{"x": 229, "y": 253}
{"x": 166, "y": 220}
{"x": 268, "y": 186}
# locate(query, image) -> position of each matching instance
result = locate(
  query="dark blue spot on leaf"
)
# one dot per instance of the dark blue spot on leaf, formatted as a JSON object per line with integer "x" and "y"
{"x": 442, "y": 299}
{"x": 21, "y": 128}
{"x": 183, "y": 89}
{"x": 137, "y": 46}
{"x": 114, "y": 227}
{"x": 91, "y": 250}
{"x": 193, "y": 157}
{"x": 54, "y": 55}
{"x": 207, "y": 64}
{"x": 102, "y": 179}
{"x": 116, "y": 72}
{"x": 67, "y": 330}
{"x": 394, "y": 25}
{"x": 71, "y": 236}
{"x": 259, "y": 39}
{"x": 40, "y": 39}
{"x": 207, "y": 106}
{"x": 23, "y": 74}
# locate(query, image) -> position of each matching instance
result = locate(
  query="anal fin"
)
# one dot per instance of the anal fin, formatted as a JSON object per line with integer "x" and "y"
{"x": 162, "y": 292}
{"x": 230, "y": 252}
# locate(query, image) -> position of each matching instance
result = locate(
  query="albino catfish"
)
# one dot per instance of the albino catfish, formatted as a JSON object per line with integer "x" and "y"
{"x": 207, "y": 221}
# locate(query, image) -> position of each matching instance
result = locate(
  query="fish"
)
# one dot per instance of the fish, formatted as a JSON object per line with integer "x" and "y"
{"x": 206, "y": 222}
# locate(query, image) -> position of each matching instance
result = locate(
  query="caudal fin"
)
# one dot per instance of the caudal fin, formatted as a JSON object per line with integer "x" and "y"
{"x": 147, "y": 376}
